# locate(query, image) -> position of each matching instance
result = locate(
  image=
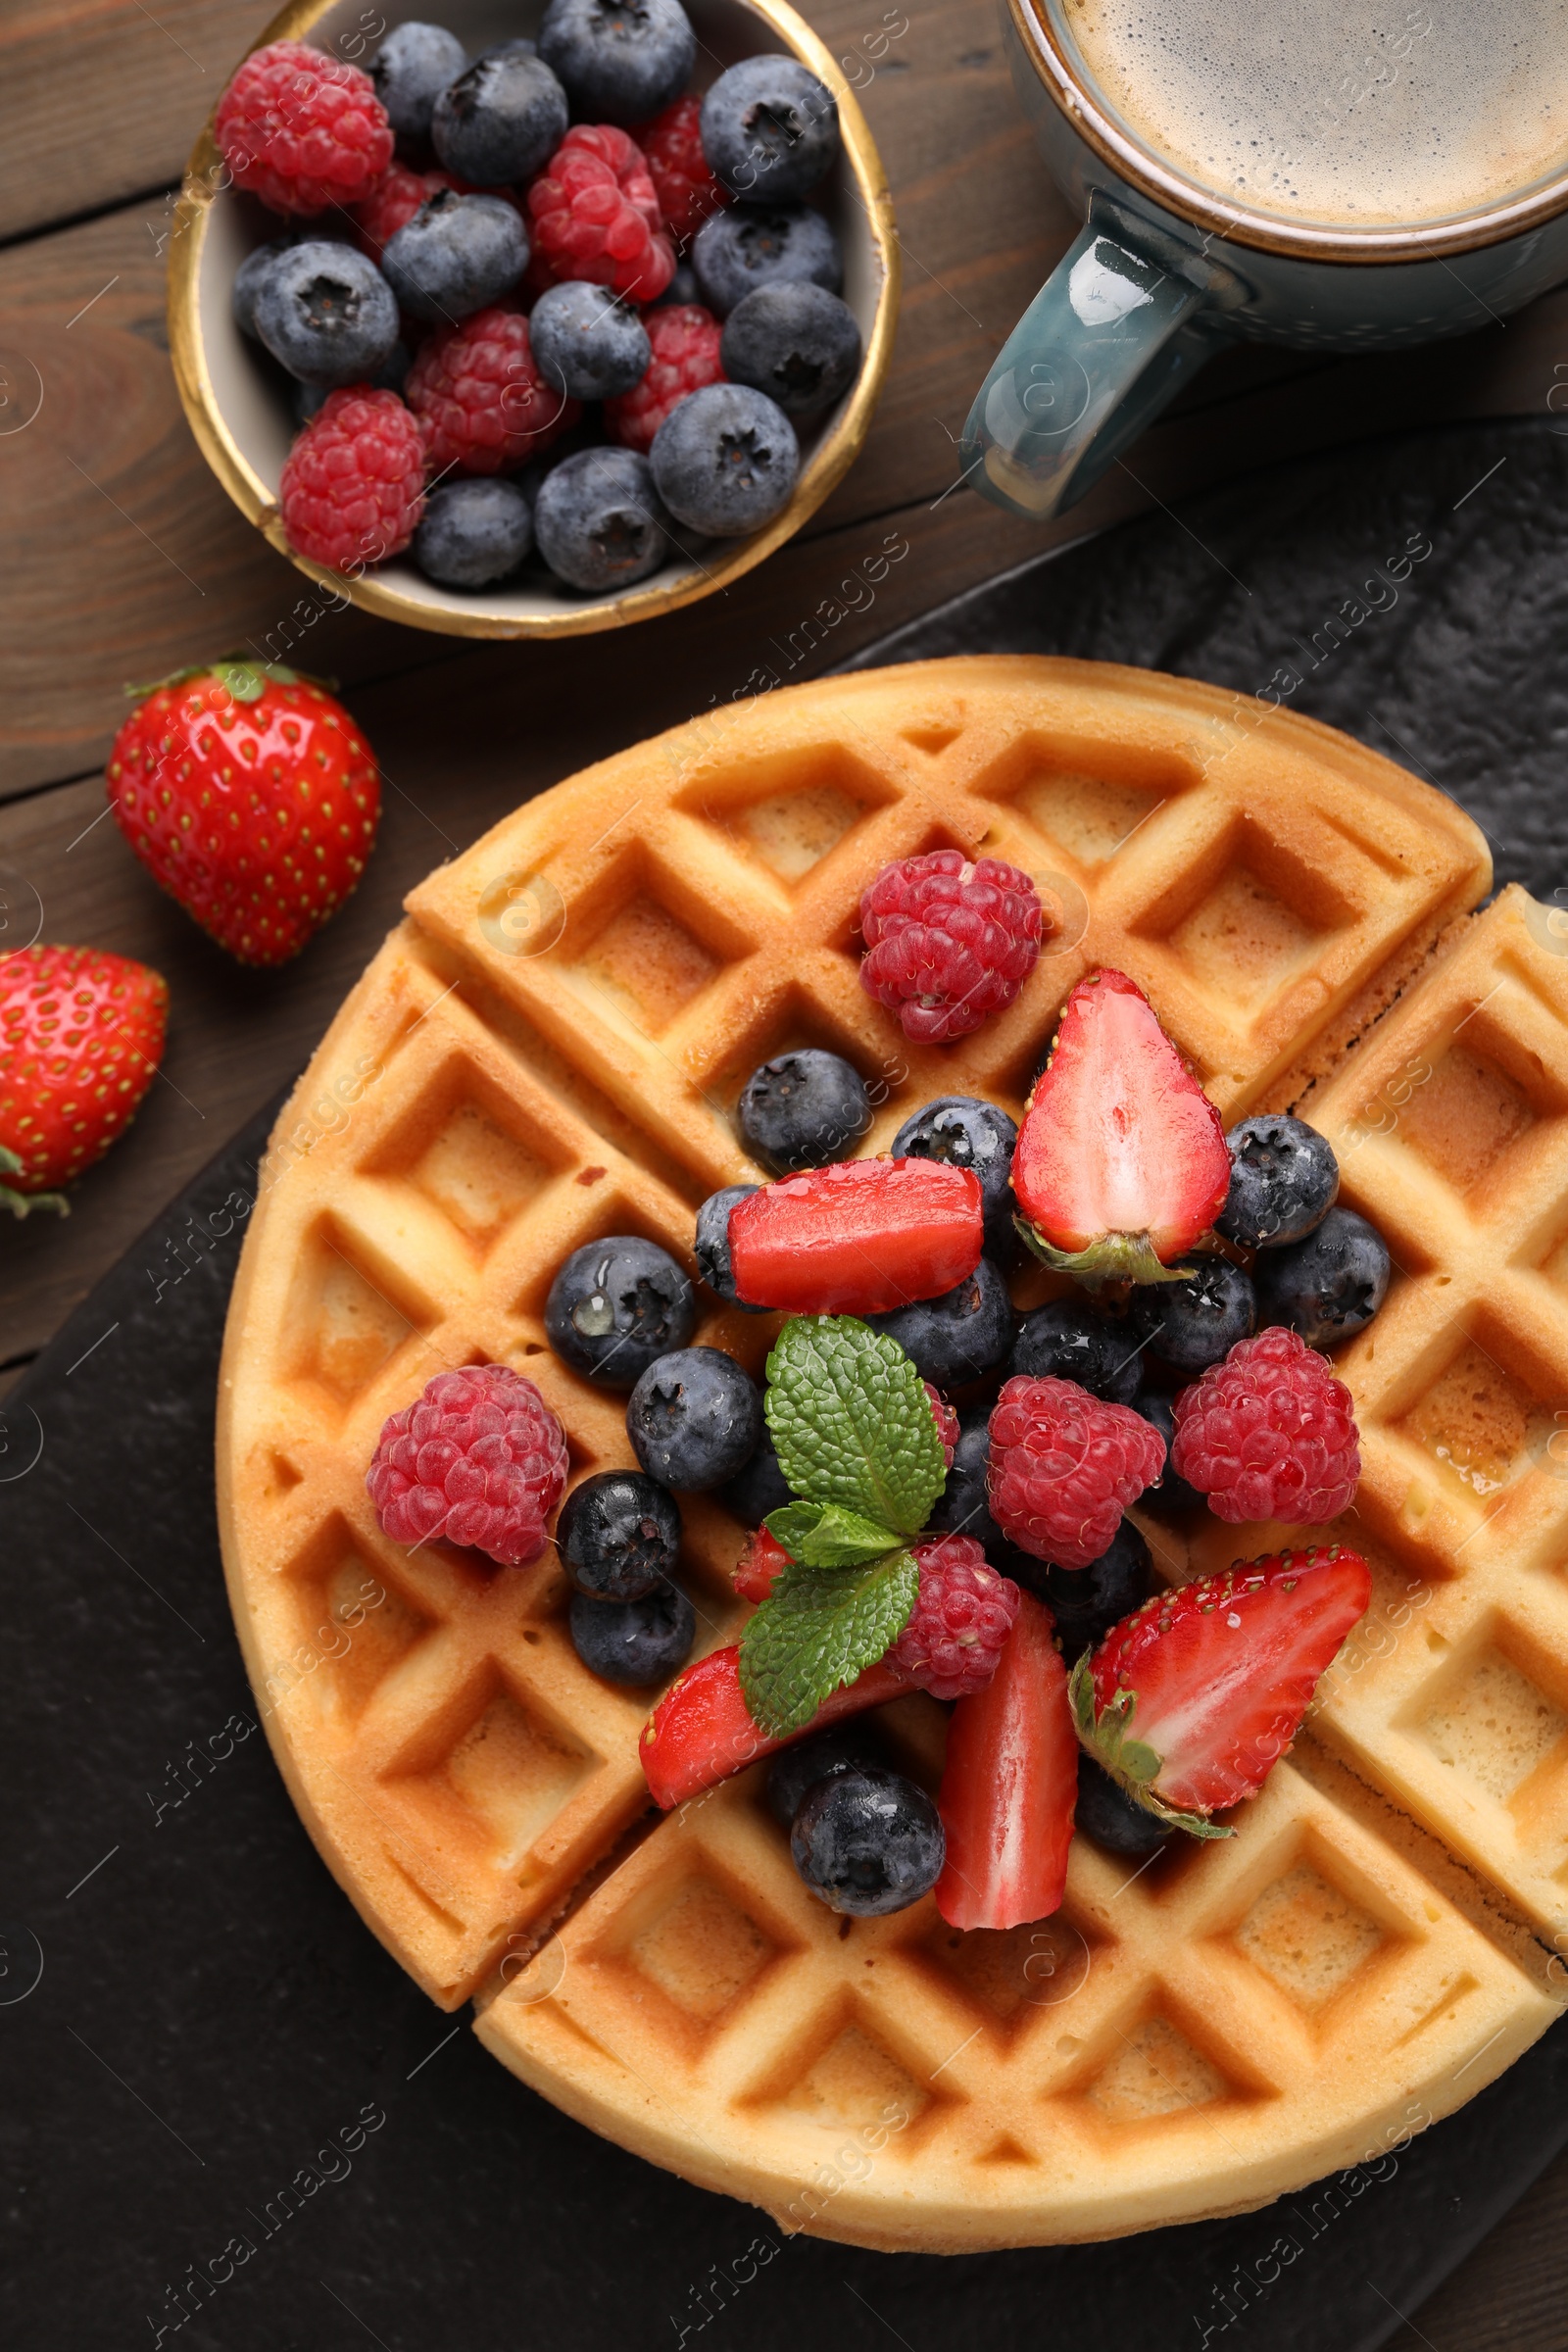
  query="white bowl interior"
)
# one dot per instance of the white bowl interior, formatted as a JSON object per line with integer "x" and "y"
{"x": 254, "y": 402}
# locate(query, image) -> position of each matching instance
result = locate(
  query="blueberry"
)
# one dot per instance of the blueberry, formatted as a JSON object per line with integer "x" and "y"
{"x": 619, "y": 1535}
{"x": 1195, "y": 1322}
{"x": 1283, "y": 1178}
{"x": 795, "y": 1771}
{"x": 1066, "y": 1339}
{"x": 1169, "y": 1494}
{"x": 411, "y": 67}
{"x": 713, "y": 1244}
{"x": 1111, "y": 1817}
{"x": 305, "y": 399}
{"x": 751, "y": 245}
{"x": 1328, "y": 1287}
{"x": 760, "y": 1488}
{"x": 457, "y": 254}
{"x": 964, "y": 1132}
{"x": 499, "y": 121}
{"x": 249, "y": 278}
{"x": 326, "y": 313}
{"x": 617, "y": 1307}
{"x": 795, "y": 342}
{"x": 587, "y": 344}
{"x": 621, "y": 61}
{"x": 473, "y": 533}
{"x": 1087, "y": 1602}
{"x": 959, "y": 1336}
{"x": 804, "y": 1109}
{"x": 868, "y": 1842}
{"x": 770, "y": 128}
{"x": 694, "y": 1419}
{"x": 599, "y": 521}
{"x": 964, "y": 1507}
{"x": 681, "y": 289}
{"x": 634, "y": 1641}
{"x": 725, "y": 461}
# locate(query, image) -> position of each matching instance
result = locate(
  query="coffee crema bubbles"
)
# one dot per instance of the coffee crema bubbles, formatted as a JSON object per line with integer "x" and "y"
{"x": 1310, "y": 111}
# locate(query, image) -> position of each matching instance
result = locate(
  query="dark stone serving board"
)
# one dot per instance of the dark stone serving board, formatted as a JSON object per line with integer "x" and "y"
{"x": 212, "y": 2020}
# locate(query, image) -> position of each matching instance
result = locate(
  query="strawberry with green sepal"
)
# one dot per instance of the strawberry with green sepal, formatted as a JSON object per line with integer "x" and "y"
{"x": 1009, "y": 1786}
{"x": 1121, "y": 1160}
{"x": 251, "y": 796}
{"x": 1191, "y": 1700}
{"x": 860, "y": 1237}
{"x": 81, "y": 1034}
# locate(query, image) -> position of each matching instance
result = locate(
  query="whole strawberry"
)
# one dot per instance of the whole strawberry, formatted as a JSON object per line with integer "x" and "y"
{"x": 80, "y": 1035}
{"x": 250, "y": 793}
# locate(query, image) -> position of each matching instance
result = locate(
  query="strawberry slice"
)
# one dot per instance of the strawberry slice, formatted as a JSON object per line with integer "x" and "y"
{"x": 857, "y": 1237}
{"x": 1009, "y": 1786}
{"x": 1191, "y": 1700}
{"x": 701, "y": 1732}
{"x": 1121, "y": 1160}
{"x": 753, "y": 1572}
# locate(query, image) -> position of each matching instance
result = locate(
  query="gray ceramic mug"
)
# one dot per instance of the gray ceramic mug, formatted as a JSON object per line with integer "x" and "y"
{"x": 1167, "y": 269}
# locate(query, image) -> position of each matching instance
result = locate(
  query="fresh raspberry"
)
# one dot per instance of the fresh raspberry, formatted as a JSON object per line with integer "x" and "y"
{"x": 962, "y": 1616}
{"x": 1064, "y": 1466}
{"x": 482, "y": 405}
{"x": 1269, "y": 1434}
{"x": 303, "y": 131}
{"x": 687, "y": 191}
{"x": 596, "y": 215}
{"x": 947, "y": 1421}
{"x": 948, "y": 941}
{"x": 685, "y": 339}
{"x": 353, "y": 486}
{"x": 480, "y": 1459}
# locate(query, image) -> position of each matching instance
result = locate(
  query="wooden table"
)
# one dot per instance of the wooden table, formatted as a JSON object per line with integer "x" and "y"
{"x": 123, "y": 559}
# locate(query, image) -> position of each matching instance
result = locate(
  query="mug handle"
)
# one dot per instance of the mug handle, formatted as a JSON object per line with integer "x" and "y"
{"x": 1103, "y": 347}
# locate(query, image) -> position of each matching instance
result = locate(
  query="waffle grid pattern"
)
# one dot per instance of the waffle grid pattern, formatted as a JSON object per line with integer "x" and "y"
{"x": 549, "y": 1049}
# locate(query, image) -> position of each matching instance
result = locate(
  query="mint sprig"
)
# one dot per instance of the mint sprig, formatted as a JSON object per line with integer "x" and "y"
{"x": 852, "y": 1421}
{"x": 858, "y": 1441}
{"x": 819, "y": 1629}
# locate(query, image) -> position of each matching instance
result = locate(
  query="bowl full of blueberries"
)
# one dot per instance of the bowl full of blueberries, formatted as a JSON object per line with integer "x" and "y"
{"x": 531, "y": 319}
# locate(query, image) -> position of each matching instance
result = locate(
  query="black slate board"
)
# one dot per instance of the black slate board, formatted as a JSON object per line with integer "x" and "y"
{"x": 212, "y": 2022}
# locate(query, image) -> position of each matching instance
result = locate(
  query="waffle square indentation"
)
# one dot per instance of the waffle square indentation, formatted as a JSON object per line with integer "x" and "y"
{"x": 1156, "y": 2072}
{"x": 345, "y": 1322}
{"x": 1466, "y": 1116}
{"x": 1476, "y": 1419}
{"x": 857, "y": 2084}
{"x": 1308, "y": 1936}
{"x": 1495, "y": 1726}
{"x": 701, "y": 1950}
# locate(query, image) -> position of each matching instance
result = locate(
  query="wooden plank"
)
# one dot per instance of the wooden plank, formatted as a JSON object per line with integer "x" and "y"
{"x": 1508, "y": 2295}
{"x": 104, "y": 99}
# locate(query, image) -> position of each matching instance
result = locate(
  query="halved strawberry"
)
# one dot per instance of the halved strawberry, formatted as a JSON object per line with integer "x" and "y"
{"x": 1191, "y": 1700}
{"x": 702, "y": 1731}
{"x": 753, "y": 1572}
{"x": 1009, "y": 1786}
{"x": 1121, "y": 1160}
{"x": 857, "y": 1237}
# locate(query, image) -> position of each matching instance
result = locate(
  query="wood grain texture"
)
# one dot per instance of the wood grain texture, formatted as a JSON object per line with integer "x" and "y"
{"x": 102, "y": 100}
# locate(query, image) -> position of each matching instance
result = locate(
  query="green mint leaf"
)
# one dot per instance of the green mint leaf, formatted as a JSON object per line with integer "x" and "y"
{"x": 817, "y": 1629}
{"x": 852, "y": 1421}
{"x": 824, "y": 1535}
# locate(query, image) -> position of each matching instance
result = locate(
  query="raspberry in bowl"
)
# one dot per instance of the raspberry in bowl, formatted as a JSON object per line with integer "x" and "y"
{"x": 608, "y": 184}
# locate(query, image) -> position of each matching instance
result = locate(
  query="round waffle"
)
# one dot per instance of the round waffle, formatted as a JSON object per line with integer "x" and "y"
{"x": 548, "y": 1050}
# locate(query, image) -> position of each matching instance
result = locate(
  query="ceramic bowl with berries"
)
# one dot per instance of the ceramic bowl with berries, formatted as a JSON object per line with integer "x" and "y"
{"x": 525, "y": 319}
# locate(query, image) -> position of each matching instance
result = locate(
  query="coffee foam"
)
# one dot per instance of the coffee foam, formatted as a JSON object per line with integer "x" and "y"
{"x": 1310, "y": 111}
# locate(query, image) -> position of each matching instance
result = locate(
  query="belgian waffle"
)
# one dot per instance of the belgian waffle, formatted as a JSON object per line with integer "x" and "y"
{"x": 548, "y": 1050}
